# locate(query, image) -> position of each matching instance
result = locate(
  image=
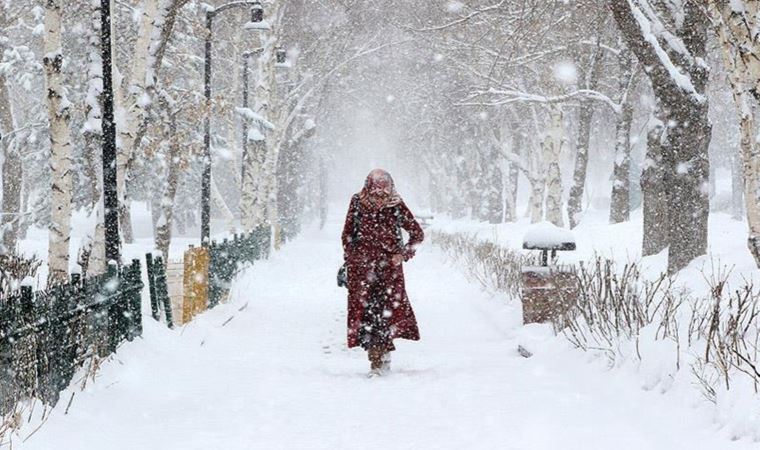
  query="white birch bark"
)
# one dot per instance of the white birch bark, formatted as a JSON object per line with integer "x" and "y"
{"x": 12, "y": 175}
{"x": 132, "y": 103}
{"x": 92, "y": 128}
{"x": 92, "y": 131}
{"x": 254, "y": 185}
{"x": 620, "y": 209}
{"x": 275, "y": 139}
{"x": 96, "y": 265}
{"x": 218, "y": 200}
{"x": 12, "y": 167}
{"x": 552, "y": 149}
{"x": 60, "y": 137}
{"x": 738, "y": 24}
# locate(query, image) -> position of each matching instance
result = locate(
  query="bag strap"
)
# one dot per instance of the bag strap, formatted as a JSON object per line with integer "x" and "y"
{"x": 357, "y": 221}
{"x": 399, "y": 236}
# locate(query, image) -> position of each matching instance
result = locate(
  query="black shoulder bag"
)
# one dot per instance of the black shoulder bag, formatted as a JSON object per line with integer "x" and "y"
{"x": 343, "y": 271}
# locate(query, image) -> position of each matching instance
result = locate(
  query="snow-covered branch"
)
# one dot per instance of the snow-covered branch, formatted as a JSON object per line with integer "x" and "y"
{"x": 508, "y": 96}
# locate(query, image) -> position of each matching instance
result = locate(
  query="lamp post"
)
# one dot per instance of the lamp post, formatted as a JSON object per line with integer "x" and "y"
{"x": 110, "y": 198}
{"x": 257, "y": 16}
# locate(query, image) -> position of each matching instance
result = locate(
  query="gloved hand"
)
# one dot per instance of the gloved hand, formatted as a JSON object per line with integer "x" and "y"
{"x": 408, "y": 252}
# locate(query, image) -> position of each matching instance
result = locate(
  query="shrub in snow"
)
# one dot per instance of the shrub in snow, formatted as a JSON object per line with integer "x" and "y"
{"x": 665, "y": 333}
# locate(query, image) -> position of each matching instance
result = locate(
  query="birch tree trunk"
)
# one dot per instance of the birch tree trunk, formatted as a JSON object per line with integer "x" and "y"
{"x": 96, "y": 263}
{"x": 513, "y": 176}
{"x": 60, "y": 137}
{"x": 737, "y": 187}
{"x": 163, "y": 236}
{"x": 738, "y": 25}
{"x": 12, "y": 168}
{"x": 536, "y": 173}
{"x": 259, "y": 196}
{"x": 218, "y": 200}
{"x": 93, "y": 137}
{"x": 586, "y": 114}
{"x": 620, "y": 199}
{"x": 751, "y": 157}
{"x": 12, "y": 175}
{"x": 552, "y": 150}
{"x": 575, "y": 198}
{"x": 274, "y": 110}
{"x": 510, "y": 192}
{"x": 494, "y": 203}
{"x": 92, "y": 129}
{"x": 134, "y": 108}
{"x": 253, "y": 200}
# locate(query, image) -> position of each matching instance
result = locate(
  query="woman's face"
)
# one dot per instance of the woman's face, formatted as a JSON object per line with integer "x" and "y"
{"x": 380, "y": 190}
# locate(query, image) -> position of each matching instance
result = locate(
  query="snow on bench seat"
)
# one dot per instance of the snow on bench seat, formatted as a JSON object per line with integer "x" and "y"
{"x": 547, "y": 236}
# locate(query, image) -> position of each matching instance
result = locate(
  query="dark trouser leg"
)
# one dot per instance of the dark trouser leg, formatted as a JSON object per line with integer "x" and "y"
{"x": 375, "y": 355}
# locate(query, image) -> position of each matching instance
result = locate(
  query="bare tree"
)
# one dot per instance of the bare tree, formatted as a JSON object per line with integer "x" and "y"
{"x": 673, "y": 57}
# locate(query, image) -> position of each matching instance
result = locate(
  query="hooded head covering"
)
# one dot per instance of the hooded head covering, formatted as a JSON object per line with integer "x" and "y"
{"x": 379, "y": 191}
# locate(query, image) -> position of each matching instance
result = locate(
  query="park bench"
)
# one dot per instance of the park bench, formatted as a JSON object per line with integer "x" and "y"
{"x": 549, "y": 289}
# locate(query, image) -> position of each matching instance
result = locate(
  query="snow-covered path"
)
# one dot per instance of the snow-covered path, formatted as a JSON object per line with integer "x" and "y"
{"x": 278, "y": 375}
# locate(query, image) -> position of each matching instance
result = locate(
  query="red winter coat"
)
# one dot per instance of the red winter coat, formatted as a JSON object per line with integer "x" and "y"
{"x": 369, "y": 261}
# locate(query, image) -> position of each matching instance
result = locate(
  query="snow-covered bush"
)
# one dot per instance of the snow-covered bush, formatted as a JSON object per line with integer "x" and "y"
{"x": 614, "y": 304}
{"x": 15, "y": 269}
{"x": 495, "y": 267}
{"x": 667, "y": 334}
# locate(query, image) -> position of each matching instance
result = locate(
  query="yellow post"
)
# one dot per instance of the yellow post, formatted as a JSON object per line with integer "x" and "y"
{"x": 197, "y": 262}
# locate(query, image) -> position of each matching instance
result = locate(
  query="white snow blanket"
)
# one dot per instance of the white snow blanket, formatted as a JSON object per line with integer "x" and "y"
{"x": 271, "y": 370}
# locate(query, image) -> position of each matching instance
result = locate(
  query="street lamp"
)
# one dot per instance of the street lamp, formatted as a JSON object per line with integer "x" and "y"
{"x": 257, "y": 22}
{"x": 110, "y": 196}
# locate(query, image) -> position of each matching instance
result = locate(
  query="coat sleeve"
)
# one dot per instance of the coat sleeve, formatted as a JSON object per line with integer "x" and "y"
{"x": 348, "y": 227}
{"x": 410, "y": 224}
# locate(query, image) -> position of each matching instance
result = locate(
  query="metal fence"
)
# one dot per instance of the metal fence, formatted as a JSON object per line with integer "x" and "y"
{"x": 228, "y": 256}
{"x": 206, "y": 284}
{"x": 46, "y": 336}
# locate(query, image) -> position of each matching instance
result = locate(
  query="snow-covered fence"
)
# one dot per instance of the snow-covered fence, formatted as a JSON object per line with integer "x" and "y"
{"x": 159, "y": 289}
{"x": 228, "y": 256}
{"x": 14, "y": 269}
{"x": 46, "y": 336}
{"x": 205, "y": 276}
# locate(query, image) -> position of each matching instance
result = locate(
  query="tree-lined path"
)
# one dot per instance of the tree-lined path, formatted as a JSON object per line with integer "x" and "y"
{"x": 271, "y": 370}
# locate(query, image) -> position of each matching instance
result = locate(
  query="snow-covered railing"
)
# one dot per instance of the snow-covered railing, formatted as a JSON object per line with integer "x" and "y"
{"x": 46, "y": 336}
{"x": 206, "y": 275}
{"x": 229, "y": 256}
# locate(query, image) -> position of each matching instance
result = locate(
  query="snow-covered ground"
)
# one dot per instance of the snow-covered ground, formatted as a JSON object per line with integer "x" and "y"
{"x": 271, "y": 370}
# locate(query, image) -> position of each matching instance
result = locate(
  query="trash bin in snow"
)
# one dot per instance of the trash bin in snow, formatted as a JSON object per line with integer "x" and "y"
{"x": 549, "y": 289}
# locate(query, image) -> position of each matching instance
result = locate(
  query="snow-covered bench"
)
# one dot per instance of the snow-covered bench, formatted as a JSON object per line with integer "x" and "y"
{"x": 548, "y": 290}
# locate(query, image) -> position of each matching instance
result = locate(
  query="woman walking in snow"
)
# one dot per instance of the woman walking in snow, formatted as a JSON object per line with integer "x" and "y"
{"x": 374, "y": 250}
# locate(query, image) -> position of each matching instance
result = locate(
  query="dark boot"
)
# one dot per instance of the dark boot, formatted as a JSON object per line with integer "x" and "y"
{"x": 375, "y": 355}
